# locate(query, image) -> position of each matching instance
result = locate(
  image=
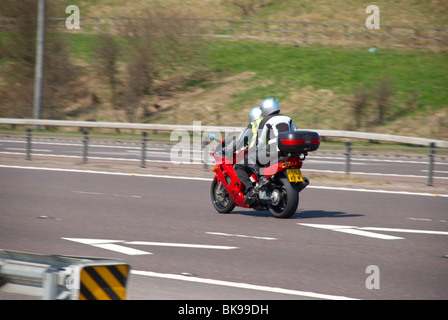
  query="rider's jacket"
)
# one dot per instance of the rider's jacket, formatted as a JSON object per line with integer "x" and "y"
{"x": 251, "y": 132}
{"x": 254, "y": 126}
{"x": 268, "y": 131}
{"x": 270, "y": 126}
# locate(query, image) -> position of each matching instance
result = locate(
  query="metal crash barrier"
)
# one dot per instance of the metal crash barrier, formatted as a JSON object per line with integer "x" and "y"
{"x": 63, "y": 277}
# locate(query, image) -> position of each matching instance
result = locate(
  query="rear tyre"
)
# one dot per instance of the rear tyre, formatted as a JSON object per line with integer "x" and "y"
{"x": 289, "y": 199}
{"x": 220, "y": 198}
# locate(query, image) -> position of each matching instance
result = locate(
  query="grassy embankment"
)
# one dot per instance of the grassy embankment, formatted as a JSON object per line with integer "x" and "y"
{"x": 315, "y": 85}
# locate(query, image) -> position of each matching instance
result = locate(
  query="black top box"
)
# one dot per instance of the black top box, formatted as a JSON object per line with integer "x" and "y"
{"x": 298, "y": 141}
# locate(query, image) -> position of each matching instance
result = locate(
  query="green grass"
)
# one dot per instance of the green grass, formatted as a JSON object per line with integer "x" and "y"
{"x": 341, "y": 69}
{"x": 82, "y": 46}
{"x": 281, "y": 69}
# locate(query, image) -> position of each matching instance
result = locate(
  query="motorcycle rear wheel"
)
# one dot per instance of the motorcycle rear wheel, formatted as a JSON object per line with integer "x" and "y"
{"x": 220, "y": 198}
{"x": 289, "y": 200}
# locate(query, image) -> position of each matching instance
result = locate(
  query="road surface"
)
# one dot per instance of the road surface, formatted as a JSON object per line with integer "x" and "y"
{"x": 341, "y": 243}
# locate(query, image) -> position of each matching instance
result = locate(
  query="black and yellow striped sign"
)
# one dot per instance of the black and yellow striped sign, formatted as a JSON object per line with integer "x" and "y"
{"x": 104, "y": 282}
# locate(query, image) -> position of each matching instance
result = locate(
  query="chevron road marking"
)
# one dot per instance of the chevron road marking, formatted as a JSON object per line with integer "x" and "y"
{"x": 111, "y": 245}
{"x": 360, "y": 230}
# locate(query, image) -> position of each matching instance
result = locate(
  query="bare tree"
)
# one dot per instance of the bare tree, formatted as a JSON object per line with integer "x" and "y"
{"x": 383, "y": 98}
{"x": 162, "y": 42}
{"x": 359, "y": 105}
{"x": 107, "y": 52}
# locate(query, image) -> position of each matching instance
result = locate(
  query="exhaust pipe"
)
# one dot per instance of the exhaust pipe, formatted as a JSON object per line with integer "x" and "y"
{"x": 302, "y": 185}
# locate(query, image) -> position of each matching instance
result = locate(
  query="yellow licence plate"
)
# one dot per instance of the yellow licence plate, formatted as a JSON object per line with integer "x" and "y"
{"x": 294, "y": 175}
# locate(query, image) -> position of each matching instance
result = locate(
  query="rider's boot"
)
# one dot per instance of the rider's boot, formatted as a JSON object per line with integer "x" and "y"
{"x": 263, "y": 181}
{"x": 250, "y": 195}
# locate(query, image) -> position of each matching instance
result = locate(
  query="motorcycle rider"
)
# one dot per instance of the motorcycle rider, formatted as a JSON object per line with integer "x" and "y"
{"x": 273, "y": 122}
{"x": 244, "y": 170}
{"x": 270, "y": 124}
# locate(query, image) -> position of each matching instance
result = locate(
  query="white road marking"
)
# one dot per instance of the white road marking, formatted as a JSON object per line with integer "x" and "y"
{"x": 368, "y": 234}
{"x": 147, "y": 175}
{"x": 75, "y": 144}
{"x": 240, "y": 236}
{"x": 377, "y": 160}
{"x": 380, "y": 191}
{"x": 109, "y": 245}
{"x": 179, "y": 245}
{"x": 240, "y": 285}
{"x": 92, "y": 241}
{"x": 89, "y": 192}
{"x": 32, "y": 150}
{"x": 121, "y": 249}
{"x": 335, "y": 162}
{"x": 352, "y": 230}
{"x": 198, "y": 160}
{"x": 136, "y": 149}
{"x": 359, "y": 230}
{"x": 372, "y": 174}
{"x": 444, "y": 233}
{"x": 436, "y": 171}
{"x": 107, "y": 194}
{"x": 112, "y": 245}
{"x": 210, "y": 179}
{"x": 126, "y": 196}
{"x": 420, "y": 219}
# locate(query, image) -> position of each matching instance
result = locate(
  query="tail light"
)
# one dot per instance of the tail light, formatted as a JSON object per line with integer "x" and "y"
{"x": 292, "y": 142}
{"x": 294, "y": 162}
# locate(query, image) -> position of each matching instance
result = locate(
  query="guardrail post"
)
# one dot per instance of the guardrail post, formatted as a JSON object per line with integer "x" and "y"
{"x": 348, "y": 149}
{"x": 85, "y": 143}
{"x": 431, "y": 152}
{"x": 50, "y": 285}
{"x": 28, "y": 144}
{"x": 143, "y": 158}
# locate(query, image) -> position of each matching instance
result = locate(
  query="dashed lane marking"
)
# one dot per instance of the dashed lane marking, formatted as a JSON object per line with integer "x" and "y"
{"x": 240, "y": 236}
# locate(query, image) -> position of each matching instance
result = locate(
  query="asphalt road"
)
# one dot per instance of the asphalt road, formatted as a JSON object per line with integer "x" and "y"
{"x": 180, "y": 248}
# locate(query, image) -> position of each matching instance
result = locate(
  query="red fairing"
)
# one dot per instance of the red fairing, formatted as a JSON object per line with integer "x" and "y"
{"x": 235, "y": 187}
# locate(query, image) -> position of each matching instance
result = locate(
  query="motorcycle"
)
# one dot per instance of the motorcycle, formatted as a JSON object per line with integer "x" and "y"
{"x": 281, "y": 195}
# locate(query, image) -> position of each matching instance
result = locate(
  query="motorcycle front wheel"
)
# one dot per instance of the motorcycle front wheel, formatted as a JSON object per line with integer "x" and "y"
{"x": 220, "y": 198}
{"x": 289, "y": 199}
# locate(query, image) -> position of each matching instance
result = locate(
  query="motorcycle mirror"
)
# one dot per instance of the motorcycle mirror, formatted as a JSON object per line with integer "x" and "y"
{"x": 211, "y": 136}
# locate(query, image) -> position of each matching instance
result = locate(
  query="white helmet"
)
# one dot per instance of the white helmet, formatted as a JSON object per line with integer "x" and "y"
{"x": 254, "y": 114}
{"x": 269, "y": 106}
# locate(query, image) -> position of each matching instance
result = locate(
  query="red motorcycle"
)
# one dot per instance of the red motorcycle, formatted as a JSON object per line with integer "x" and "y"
{"x": 281, "y": 195}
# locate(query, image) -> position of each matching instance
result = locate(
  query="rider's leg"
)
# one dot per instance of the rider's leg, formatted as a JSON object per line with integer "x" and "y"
{"x": 243, "y": 175}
